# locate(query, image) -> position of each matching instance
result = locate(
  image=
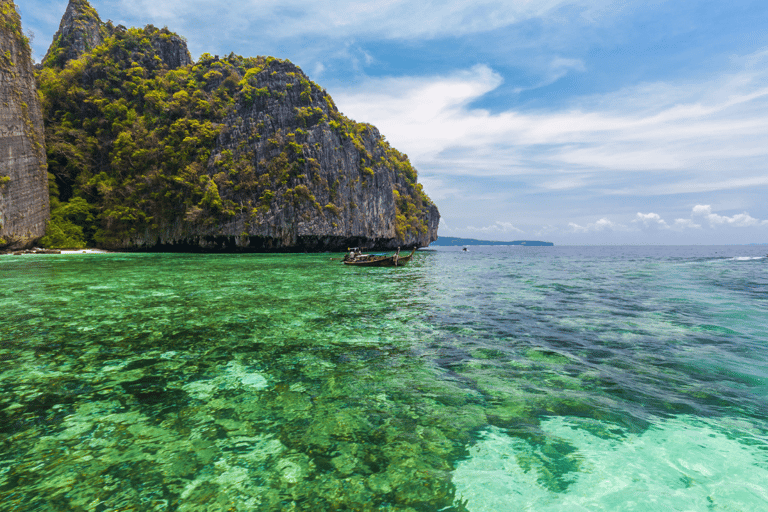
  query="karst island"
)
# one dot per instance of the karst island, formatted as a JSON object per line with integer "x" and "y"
{"x": 119, "y": 140}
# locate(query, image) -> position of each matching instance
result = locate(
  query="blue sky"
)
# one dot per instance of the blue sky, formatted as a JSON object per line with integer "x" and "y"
{"x": 572, "y": 121}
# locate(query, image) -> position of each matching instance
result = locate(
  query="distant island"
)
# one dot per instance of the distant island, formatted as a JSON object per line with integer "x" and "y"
{"x": 453, "y": 241}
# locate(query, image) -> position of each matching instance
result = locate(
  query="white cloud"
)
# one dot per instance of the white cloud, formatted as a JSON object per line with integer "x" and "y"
{"x": 498, "y": 227}
{"x": 601, "y": 225}
{"x": 651, "y": 220}
{"x": 437, "y": 189}
{"x": 654, "y": 220}
{"x": 699, "y": 137}
{"x": 389, "y": 19}
{"x": 650, "y": 139}
{"x": 576, "y": 228}
{"x": 554, "y": 70}
{"x": 426, "y": 116}
{"x": 318, "y": 70}
{"x": 738, "y": 220}
{"x": 685, "y": 224}
{"x": 703, "y": 183}
{"x": 567, "y": 183}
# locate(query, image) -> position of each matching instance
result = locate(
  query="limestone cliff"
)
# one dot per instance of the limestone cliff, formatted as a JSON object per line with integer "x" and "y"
{"x": 24, "y": 206}
{"x": 223, "y": 154}
{"x": 80, "y": 31}
{"x": 298, "y": 175}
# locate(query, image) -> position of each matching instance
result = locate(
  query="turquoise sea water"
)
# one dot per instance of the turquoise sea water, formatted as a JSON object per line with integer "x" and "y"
{"x": 500, "y": 379}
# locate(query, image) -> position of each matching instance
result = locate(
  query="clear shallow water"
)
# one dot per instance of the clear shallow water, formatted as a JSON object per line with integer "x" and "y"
{"x": 505, "y": 378}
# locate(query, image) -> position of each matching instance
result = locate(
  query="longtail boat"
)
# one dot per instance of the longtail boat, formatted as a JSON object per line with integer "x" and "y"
{"x": 374, "y": 260}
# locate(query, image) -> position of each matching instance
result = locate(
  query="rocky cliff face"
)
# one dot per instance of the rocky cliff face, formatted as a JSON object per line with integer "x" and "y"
{"x": 24, "y": 207}
{"x": 236, "y": 154}
{"x": 172, "y": 51}
{"x": 298, "y": 175}
{"x": 79, "y": 32}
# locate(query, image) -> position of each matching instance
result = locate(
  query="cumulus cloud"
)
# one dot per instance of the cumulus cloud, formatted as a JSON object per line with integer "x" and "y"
{"x": 651, "y": 220}
{"x": 601, "y": 225}
{"x": 739, "y": 220}
{"x": 685, "y": 224}
{"x": 700, "y": 211}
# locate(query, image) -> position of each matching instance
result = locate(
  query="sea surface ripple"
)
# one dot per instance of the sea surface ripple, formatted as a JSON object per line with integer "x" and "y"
{"x": 498, "y": 378}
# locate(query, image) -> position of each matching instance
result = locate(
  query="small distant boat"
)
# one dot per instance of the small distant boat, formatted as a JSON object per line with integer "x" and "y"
{"x": 376, "y": 260}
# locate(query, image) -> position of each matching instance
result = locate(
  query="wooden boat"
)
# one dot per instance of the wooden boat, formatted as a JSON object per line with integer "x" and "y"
{"x": 373, "y": 260}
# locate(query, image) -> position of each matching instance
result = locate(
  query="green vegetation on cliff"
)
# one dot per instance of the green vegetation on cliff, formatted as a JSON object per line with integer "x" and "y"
{"x": 10, "y": 22}
{"x": 130, "y": 136}
{"x": 135, "y": 142}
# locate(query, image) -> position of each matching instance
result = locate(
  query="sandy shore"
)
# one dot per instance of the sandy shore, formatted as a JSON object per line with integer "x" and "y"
{"x": 37, "y": 251}
{"x": 84, "y": 251}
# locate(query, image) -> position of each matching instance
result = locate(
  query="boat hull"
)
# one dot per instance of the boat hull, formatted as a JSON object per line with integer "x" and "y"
{"x": 382, "y": 261}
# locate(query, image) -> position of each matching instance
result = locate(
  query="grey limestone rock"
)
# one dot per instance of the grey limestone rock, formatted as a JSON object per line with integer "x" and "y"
{"x": 339, "y": 189}
{"x": 287, "y": 172}
{"x": 80, "y": 31}
{"x": 172, "y": 50}
{"x": 24, "y": 207}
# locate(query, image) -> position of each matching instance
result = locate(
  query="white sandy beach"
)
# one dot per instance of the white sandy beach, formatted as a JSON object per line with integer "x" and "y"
{"x": 84, "y": 251}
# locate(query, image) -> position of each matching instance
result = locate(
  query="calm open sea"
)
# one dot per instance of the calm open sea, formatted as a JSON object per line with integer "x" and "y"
{"x": 498, "y": 379}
